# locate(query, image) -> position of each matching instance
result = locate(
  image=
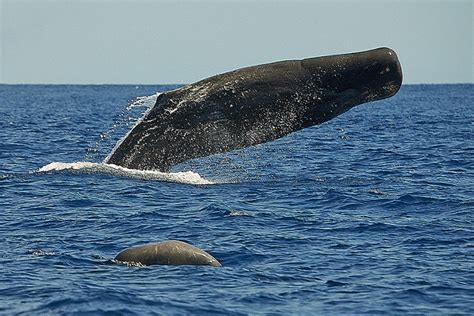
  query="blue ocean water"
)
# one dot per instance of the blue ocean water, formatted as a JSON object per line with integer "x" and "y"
{"x": 371, "y": 212}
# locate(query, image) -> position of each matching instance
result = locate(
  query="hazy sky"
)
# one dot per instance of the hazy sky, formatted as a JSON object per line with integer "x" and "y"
{"x": 183, "y": 41}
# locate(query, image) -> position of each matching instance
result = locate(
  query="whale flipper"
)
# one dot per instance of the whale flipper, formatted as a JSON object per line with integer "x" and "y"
{"x": 254, "y": 105}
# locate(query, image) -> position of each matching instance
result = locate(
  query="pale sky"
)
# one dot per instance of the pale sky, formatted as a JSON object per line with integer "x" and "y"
{"x": 160, "y": 42}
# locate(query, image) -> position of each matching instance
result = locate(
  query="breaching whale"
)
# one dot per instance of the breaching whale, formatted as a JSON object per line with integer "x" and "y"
{"x": 254, "y": 105}
{"x": 170, "y": 252}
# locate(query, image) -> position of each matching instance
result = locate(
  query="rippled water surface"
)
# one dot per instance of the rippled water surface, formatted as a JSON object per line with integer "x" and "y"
{"x": 371, "y": 212}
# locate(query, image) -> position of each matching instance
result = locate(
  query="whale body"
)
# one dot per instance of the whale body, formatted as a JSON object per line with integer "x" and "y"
{"x": 170, "y": 252}
{"x": 254, "y": 105}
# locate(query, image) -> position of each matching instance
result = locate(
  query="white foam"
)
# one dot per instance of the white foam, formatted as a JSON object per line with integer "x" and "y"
{"x": 187, "y": 177}
{"x": 240, "y": 213}
{"x": 59, "y": 166}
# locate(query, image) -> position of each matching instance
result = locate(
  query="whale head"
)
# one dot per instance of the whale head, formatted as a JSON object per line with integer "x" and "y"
{"x": 380, "y": 76}
{"x": 339, "y": 83}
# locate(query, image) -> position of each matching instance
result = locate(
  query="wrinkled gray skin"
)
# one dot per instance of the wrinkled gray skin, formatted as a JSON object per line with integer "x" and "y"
{"x": 254, "y": 105}
{"x": 170, "y": 252}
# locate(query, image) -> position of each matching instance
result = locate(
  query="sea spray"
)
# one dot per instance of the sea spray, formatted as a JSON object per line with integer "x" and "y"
{"x": 123, "y": 124}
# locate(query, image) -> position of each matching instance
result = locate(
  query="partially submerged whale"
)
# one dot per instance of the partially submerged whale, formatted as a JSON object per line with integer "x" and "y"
{"x": 254, "y": 105}
{"x": 170, "y": 252}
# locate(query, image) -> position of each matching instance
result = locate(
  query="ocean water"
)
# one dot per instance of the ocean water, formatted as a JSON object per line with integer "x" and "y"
{"x": 372, "y": 212}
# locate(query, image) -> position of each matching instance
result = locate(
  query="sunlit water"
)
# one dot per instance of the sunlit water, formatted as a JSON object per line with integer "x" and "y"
{"x": 371, "y": 212}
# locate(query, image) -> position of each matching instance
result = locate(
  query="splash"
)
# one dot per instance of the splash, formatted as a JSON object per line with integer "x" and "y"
{"x": 187, "y": 177}
{"x": 131, "y": 116}
{"x": 128, "y": 118}
{"x": 147, "y": 101}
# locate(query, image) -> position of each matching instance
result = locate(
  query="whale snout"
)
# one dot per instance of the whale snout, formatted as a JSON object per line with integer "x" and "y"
{"x": 382, "y": 76}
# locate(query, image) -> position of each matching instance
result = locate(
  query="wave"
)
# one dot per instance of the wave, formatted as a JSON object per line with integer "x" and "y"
{"x": 187, "y": 177}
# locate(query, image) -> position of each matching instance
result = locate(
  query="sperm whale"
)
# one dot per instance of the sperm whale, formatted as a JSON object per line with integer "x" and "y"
{"x": 254, "y": 105}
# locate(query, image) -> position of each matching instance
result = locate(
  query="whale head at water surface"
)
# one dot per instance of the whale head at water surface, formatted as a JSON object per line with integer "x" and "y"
{"x": 169, "y": 252}
{"x": 254, "y": 105}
